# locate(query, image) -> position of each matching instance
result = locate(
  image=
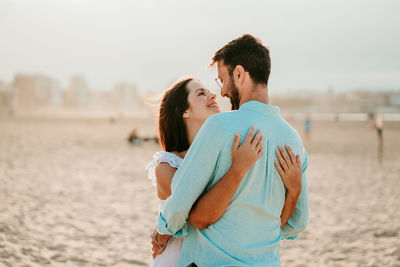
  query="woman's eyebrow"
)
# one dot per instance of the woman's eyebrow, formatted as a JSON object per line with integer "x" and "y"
{"x": 201, "y": 89}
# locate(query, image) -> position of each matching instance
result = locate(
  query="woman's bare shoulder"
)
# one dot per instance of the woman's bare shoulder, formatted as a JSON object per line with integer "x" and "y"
{"x": 164, "y": 174}
{"x": 164, "y": 169}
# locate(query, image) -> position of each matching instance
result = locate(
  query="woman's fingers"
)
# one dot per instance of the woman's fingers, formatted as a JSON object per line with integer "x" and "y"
{"x": 250, "y": 135}
{"x": 236, "y": 142}
{"x": 281, "y": 161}
{"x": 260, "y": 143}
{"x": 260, "y": 146}
{"x": 291, "y": 155}
{"x": 257, "y": 138}
{"x": 284, "y": 155}
{"x": 298, "y": 162}
{"x": 279, "y": 169}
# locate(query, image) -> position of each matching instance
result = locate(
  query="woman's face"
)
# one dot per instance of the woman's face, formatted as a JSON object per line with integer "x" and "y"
{"x": 202, "y": 103}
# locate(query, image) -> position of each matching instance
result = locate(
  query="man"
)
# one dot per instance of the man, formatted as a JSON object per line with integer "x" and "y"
{"x": 248, "y": 234}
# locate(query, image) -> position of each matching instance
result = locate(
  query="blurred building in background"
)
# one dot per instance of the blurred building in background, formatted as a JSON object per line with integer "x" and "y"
{"x": 126, "y": 96}
{"x": 6, "y": 99}
{"x": 102, "y": 100}
{"x": 360, "y": 101}
{"x": 31, "y": 91}
{"x": 77, "y": 94}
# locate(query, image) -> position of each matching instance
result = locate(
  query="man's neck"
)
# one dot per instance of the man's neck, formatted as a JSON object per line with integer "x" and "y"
{"x": 258, "y": 93}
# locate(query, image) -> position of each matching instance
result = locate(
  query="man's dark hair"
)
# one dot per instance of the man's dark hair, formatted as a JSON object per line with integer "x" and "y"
{"x": 250, "y": 53}
{"x": 171, "y": 128}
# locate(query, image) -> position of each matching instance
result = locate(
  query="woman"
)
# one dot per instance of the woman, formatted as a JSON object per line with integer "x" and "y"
{"x": 184, "y": 109}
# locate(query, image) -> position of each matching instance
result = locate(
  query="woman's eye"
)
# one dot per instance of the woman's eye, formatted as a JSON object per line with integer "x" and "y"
{"x": 202, "y": 93}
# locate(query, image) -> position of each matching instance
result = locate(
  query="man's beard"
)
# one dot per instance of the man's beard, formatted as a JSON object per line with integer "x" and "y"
{"x": 234, "y": 98}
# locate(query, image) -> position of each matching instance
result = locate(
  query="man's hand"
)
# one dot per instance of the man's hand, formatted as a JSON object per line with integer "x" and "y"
{"x": 158, "y": 242}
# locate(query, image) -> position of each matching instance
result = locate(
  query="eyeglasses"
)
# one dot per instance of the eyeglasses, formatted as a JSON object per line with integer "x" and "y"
{"x": 219, "y": 82}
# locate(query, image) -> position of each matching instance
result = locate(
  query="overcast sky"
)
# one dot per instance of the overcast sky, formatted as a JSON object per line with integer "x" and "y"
{"x": 314, "y": 44}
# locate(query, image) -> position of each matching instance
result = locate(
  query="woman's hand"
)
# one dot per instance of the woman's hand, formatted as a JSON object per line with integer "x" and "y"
{"x": 244, "y": 156}
{"x": 158, "y": 242}
{"x": 289, "y": 169}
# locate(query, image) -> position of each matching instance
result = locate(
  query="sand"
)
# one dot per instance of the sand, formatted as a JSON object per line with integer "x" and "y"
{"x": 75, "y": 193}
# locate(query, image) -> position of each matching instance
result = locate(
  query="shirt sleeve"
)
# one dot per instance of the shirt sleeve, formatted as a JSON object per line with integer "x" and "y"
{"x": 299, "y": 219}
{"x": 191, "y": 178}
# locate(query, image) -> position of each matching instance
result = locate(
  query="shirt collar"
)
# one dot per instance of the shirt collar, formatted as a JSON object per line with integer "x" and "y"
{"x": 259, "y": 107}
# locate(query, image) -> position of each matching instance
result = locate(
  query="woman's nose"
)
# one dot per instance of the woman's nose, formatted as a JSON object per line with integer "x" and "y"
{"x": 212, "y": 96}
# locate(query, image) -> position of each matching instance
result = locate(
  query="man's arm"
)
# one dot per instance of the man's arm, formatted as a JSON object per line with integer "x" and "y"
{"x": 192, "y": 178}
{"x": 299, "y": 219}
{"x": 210, "y": 207}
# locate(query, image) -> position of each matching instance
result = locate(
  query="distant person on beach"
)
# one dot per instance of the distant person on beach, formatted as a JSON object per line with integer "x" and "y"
{"x": 233, "y": 214}
{"x": 134, "y": 138}
{"x": 379, "y": 128}
{"x": 307, "y": 126}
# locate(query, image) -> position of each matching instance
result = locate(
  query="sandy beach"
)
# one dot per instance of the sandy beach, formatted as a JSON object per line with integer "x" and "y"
{"x": 75, "y": 193}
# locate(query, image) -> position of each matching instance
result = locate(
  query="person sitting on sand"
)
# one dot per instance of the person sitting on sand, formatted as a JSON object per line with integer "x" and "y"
{"x": 134, "y": 138}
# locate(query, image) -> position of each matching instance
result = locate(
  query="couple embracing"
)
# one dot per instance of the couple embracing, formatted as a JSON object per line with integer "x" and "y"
{"x": 231, "y": 185}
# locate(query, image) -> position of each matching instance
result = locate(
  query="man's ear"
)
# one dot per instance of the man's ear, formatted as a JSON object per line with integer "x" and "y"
{"x": 186, "y": 114}
{"x": 238, "y": 74}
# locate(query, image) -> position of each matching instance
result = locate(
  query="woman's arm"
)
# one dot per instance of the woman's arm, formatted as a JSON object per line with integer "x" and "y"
{"x": 164, "y": 174}
{"x": 212, "y": 205}
{"x": 290, "y": 171}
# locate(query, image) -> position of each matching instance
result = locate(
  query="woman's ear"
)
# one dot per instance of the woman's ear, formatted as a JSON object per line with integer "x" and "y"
{"x": 186, "y": 114}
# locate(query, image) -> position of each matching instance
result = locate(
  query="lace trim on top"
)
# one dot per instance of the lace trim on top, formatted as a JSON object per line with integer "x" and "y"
{"x": 158, "y": 157}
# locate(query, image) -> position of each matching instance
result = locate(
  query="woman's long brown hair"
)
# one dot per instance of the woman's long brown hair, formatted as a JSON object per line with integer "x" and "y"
{"x": 171, "y": 128}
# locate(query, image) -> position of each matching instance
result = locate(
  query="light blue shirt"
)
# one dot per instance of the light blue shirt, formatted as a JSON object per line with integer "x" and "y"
{"x": 248, "y": 233}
